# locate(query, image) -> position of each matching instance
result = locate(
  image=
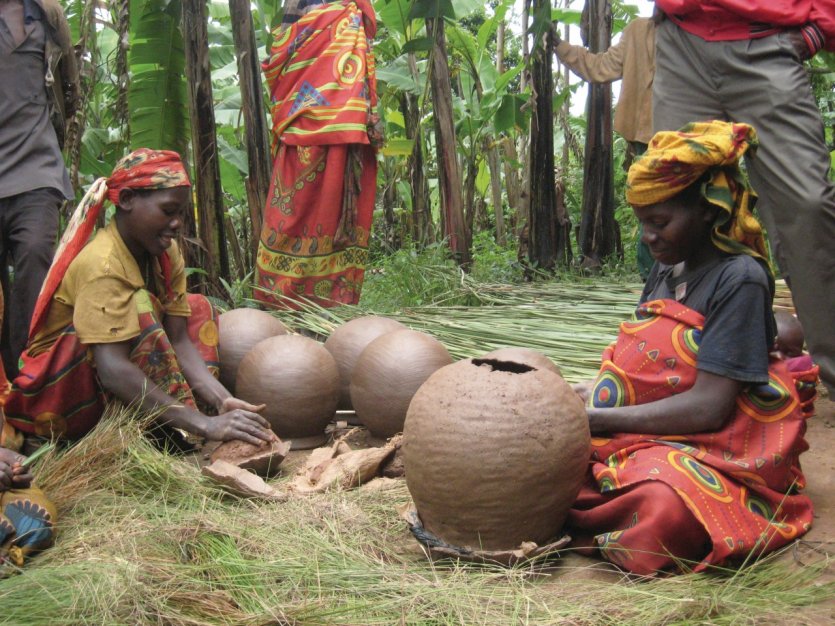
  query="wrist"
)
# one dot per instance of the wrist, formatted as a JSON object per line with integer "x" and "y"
{"x": 814, "y": 38}
{"x": 186, "y": 418}
{"x": 220, "y": 401}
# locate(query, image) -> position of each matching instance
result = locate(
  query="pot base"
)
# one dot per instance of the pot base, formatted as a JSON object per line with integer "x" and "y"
{"x": 435, "y": 548}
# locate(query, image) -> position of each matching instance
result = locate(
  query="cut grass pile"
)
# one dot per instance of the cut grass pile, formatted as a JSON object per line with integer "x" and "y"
{"x": 569, "y": 322}
{"x": 144, "y": 539}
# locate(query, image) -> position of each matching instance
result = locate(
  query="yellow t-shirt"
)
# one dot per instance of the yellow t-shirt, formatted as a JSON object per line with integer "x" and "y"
{"x": 97, "y": 293}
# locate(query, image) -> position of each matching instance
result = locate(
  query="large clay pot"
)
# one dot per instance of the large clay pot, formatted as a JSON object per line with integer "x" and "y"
{"x": 347, "y": 342}
{"x": 298, "y": 381}
{"x": 239, "y": 330}
{"x": 495, "y": 453}
{"x": 525, "y": 356}
{"x": 388, "y": 373}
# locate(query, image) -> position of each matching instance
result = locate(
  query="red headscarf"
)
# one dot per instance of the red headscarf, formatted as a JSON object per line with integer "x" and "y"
{"x": 141, "y": 169}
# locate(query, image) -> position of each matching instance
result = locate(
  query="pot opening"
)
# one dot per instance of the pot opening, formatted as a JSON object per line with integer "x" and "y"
{"x": 504, "y": 366}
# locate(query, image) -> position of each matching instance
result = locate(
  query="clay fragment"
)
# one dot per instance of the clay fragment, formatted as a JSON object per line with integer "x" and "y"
{"x": 241, "y": 482}
{"x": 263, "y": 459}
{"x": 394, "y": 466}
{"x": 340, "y": 467}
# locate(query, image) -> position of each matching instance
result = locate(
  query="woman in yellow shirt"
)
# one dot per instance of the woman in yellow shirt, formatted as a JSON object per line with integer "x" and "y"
{"x": 114, "y": 319}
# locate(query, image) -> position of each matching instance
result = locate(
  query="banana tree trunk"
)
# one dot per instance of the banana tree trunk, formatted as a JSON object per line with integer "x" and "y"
{"x": 209, "y": 194}
{"x": 598, "y": 228}
{"x": 88, "y": 57}
{"x": 495, "y": 187}
{"x": 546, "y": 241}
{"x": 422, "y": 230}
{"x": 449, "y": 175}
{"x": 255, "y": 119}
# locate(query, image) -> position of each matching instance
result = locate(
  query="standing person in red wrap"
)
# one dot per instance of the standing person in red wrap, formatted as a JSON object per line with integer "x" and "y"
{"x": 697, "y": 431}
{"x": 317, "y": 221}
{"x": 742, "y": 61}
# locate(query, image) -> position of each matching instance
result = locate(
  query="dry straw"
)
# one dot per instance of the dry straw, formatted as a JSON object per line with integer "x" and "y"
{"x": 144, "y": 539}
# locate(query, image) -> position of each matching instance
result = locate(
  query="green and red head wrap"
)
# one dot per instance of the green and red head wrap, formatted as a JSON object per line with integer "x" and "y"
{"x": 147, "y": 169}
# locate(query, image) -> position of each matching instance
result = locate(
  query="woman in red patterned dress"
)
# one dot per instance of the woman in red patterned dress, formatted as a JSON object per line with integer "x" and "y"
{"x": 699, "y": 431}
{"x": 317, "y": 220}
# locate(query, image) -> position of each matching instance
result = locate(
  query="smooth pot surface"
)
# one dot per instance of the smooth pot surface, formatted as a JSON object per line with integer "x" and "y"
{"x": 387, "y": 375}
{"x": 347, "y": 342}
{"x": 239, "y": 330}
{"x": 298, "y": 381}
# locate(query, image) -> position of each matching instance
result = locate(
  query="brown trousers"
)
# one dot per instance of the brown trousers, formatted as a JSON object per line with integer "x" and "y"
{"x": 761, "y": 82}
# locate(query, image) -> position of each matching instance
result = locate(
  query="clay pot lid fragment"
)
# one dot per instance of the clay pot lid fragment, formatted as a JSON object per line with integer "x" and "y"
{"x": 262, "y": 459}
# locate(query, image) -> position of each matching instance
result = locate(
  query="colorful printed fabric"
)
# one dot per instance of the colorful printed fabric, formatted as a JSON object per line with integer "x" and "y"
{"x": 26, "y": 523}
{"x": 806, "y": 376}
{"x": 57, "y": 393}
{"x": 141, "y": 169}
{"x": 736, "y": 488}
{"x": 26, "y": 515}
{"x": 677, "y": 159}
{"x": 317, "y": 220}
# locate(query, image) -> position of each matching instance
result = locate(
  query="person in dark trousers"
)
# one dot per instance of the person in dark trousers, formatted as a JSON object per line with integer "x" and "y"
{"x": 39, "y": 78}
{"x": 743, "y": 62}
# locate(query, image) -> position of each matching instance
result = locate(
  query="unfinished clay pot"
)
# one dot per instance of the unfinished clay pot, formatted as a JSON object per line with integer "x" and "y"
{"x": 387, "y": 375}
{"x": 239, "y": 330}
{"x": 263, "y": 459}
{"x": 525, "y": 356}
{"x": 347, "y": 342}
{"x": 495, "y": 453}
{"x": 298, "y": 381}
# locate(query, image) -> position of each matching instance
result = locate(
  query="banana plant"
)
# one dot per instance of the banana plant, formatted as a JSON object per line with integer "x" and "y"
{"x": 157, "y": 96}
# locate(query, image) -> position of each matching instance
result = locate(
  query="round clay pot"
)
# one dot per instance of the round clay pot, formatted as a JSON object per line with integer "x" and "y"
{"x": 298, "y": 381}
{"x": 239, "y": 330}
{"x": 495, "y": 453}
{"x": 347, "y": 342}
{"x": 525, "y": 356}
{"x": 387, "y": 375}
